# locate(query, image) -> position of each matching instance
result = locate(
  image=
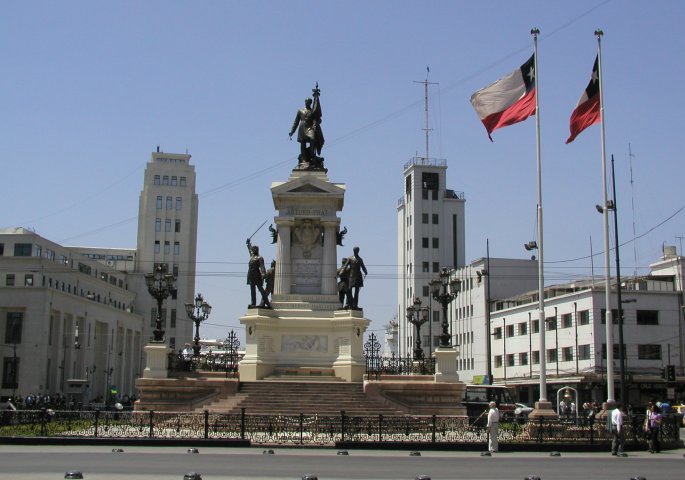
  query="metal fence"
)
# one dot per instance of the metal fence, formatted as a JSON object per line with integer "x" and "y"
{"x": 378, "y": 365}
{"x": 314, "y": 430}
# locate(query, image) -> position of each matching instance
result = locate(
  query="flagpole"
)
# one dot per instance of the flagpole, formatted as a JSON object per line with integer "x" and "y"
{"x": 605, "y": 215}
{"x": 542, "y": 403}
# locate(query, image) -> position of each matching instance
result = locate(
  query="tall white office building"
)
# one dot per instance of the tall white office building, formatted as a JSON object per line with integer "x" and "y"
{"x": 430, "y": 233}
{"x": 167, "y": 233}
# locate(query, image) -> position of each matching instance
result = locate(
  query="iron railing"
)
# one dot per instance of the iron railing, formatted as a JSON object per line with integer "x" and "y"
{"x": 378, "y": 365}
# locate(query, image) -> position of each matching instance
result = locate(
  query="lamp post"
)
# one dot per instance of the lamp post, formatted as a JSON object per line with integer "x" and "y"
{"x": 160, "y": 284}
{"x": 198, "y": 312}
{"x": 439, "y": 289}
{"x": 417, "y": 316}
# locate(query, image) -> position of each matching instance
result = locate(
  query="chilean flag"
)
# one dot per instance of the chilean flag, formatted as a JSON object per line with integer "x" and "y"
{"x": 509, "y": 100}
{"x": 587, "y": 111}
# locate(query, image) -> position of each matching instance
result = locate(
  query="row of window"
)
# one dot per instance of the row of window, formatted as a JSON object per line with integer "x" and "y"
{"x": 167, "y": 225}
{"x": 644, "y": 352}
{"x": 167, "y": 247}
{"x": 169, "y": 203}
{"x": 164, "y": 180}
{"x": 172, "y": 319}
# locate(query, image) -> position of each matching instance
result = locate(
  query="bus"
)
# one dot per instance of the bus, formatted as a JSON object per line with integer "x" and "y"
{"x": 477, "y": 397}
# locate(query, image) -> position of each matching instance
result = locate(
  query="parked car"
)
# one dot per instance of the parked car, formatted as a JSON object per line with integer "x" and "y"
{"x": 522, "y": 410}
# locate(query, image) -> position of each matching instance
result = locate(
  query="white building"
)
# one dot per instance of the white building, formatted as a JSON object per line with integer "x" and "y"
{"x": 64, "y": 317}
{"x": 430, "y": 236}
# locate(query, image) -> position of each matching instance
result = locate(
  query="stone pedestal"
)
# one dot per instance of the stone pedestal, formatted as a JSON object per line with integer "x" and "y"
{"x": 306, "y": 333}
{"x": 446, "y": 364}
{"x": 543, "y": 409}
{"x": 156, "y": 360}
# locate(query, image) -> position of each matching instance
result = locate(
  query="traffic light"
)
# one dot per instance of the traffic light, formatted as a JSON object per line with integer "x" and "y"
{"x": 663, "y": 373}
{"x": 670, "y": 373}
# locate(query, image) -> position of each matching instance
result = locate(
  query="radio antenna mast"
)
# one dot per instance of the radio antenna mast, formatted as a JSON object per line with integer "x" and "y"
{"x": 425, "y": 83}
{"x": 632, "y": 204}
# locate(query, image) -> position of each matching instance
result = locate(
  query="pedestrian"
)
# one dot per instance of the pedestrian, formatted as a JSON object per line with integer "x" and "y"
{"x": 617, "y": 431}
{"x": 654, "y": 419}
{"x": 492, "y": 427}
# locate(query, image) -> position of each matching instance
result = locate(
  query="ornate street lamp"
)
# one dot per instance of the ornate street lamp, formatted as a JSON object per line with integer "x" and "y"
{"x": 160, "y": 284}
{"x": 417, "y": 316}
{"x": 198, "y": 312}
{"x": 439, "y": 290}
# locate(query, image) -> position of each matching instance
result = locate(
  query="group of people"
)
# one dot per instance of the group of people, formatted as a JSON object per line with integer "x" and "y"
{"x": 59, "y": 401}
{"x": 651, "y": 426}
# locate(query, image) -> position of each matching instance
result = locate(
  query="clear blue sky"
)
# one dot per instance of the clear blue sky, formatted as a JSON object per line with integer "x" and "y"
{"x": 90, "y": 88}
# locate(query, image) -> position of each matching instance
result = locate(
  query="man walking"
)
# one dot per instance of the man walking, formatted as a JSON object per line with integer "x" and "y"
{"x": 617, "y": 431}
{"x": 492, "y": 427}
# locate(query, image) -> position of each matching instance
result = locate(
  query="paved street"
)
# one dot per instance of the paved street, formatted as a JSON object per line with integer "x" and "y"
{"x": 152, "y": 463}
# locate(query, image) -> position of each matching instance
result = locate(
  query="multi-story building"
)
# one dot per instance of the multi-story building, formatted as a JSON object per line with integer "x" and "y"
{"x": 430, "y": 236}
{"x": 66, "y": 321}
{"x": 575, "y": 331}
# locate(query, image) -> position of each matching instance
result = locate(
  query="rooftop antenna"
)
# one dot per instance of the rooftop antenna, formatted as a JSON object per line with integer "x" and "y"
{"x": 425, "y": 83}
{"x": 632, "y": 204}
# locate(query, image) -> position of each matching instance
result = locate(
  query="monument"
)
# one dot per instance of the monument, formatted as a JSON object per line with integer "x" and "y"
{"x": 306, "y": 332}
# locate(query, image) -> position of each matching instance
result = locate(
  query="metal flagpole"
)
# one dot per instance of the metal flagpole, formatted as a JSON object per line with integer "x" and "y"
{"x": 605, "y": 215}
{"x": 542, "y": 401}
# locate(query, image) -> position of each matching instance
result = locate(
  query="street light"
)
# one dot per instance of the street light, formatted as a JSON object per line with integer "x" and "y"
{"x": 417, "y": 316}
{"x": 439, "y": 290}
{"x": 198, "y": 312}
{"x": 160, "y": 284}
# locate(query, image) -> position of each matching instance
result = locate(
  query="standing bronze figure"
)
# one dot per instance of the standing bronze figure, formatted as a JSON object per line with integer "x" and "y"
{"x": 269, "y": 280}
{"x": 309, "y": 133}
{"x": 343, "y": 284}
{"x": 356, "y": 267}
{"x": 255, "y": 276}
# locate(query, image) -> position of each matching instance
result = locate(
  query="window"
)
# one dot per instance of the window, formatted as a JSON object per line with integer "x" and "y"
{"x": 13, "y": 326}
{"x": 648, "y": 317}
{"x": 523, "y": 328}
{"x": 22, "y": 249}
{"x": 567, "y": 354}
{"x": 167, "y": 225}
{"x": 430, "y": 180}
{"x": 536, "y": 357}
{"x": 156, "y": 181}
{"x": 175, "y": 270}
{"x": 2, "y": 249}
{"x": 177, "y": 248}
{"x": 510, "y": 331}
{"x": 38, "y": 251}
{"x": 179, "y": 203}
{"x": 159, "y": 202}
{"x": 536, "y": 326}
{"x": 436, "y": 243}
{"x": 183, "y": 181}
{"x": 10, "y": 372}
{"x": 614, "y": 316}
{"x": 497, "y": 333}
{"x": 174, "y": 181}
{"x": 523, "y": 358}
{"x": 425, "y": 267}
{"x": 649, "y": 352}
{"x": 424, "y": 242}
{"x": 498, "y": 361}
{"x": 436, "y": 316}
{"x": 169, "y": 203}
{"x": 28, "y": 280}
{"x": 584, "y": 352}
{"x": 9, "y": 280}
{"x": 177, "y": 226}
{"x": 426, "y": 290}
{"x": 551, "y": 323}
{"x": 165, "y": 180}
{"x": 436, "y": 267}
{"x": 424, "y": 218}
{"x": 604, "y": 351}
{"x": 167, "y": 247}
{"x": 156, "y": 246}
{"x": 435, "y": 218}
{"x": 584, "y": 317}
{"x": 566, "y": 320}
{"x": 172, "y": 320}
{"x": 158, "y": 225}
{"x": 551, "y": 354}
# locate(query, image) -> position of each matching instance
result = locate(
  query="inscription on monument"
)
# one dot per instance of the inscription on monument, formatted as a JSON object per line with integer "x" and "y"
{"x": 304, "y": 343}
{"x": 265, "y": 345}
{"x": 314, "y": 212}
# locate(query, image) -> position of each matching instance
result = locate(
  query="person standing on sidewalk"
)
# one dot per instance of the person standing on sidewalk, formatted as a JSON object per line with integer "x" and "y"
{"x": 654, "y": 420}
{"x": 617, "y": 431}
{"x": 492, "y": 427}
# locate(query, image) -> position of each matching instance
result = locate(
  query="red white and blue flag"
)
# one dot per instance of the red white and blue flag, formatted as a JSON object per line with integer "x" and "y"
{"x": 509, "y": 100}
{"x": 587, "y": 111}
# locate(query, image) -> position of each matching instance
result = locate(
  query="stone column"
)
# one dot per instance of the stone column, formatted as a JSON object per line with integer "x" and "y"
{"x": 283, "y": 263}
{"x": 329, "y": 267}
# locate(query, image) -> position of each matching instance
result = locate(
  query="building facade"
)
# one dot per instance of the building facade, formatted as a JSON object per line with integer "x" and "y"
{"x": 430, "y": 236}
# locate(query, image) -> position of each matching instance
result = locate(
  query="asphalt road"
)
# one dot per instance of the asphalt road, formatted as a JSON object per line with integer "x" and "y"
{"x": 213, "y": 463}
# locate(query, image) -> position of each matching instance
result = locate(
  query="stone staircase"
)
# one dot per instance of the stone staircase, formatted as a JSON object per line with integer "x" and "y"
{"x": 292, "y": 397}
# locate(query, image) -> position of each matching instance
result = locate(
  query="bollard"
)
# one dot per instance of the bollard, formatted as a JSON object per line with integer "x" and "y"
{"x": 73, "y": 474}
{"x": 193, "y": 450}
{"x": 532, "y": 477}
{"x": 423, "y": 477}
{"x": 343, "y": 452}
{"x": 308, "y": 476}
{"x": 485, "y": 454}
{"x": 192, "y": 476}
{"x": 268, "y": 452}
{"x": 414, "y": 454}
{"x": 117, "y": 450}
{"x": 638, "y": 477}
{"x": 554, "y": 453}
